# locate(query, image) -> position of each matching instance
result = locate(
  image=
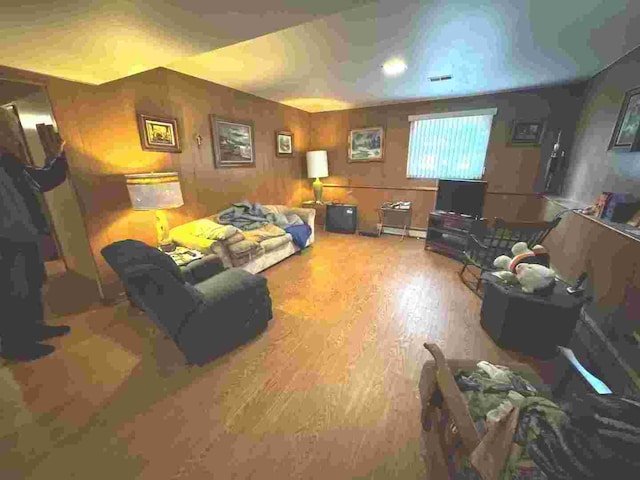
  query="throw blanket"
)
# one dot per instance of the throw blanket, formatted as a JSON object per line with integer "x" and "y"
{"x": 594, "y": 437}
{"x": 244, "y": 215}
{"x": 299, "y": 233}
{"x": 264, "y": 233}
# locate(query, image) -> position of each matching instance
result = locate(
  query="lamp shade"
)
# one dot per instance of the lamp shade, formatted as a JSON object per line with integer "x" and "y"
{"x": 317, "y": 164}
{"x": 154, "y": 191}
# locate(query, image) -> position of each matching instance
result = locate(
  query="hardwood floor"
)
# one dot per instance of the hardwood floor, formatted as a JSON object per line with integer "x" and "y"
{"x": 328, "y": 391}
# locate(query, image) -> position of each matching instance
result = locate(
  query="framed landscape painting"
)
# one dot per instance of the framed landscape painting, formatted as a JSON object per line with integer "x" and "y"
{"x": 233, "y": 144}
{"x": 626, "y": 132}
{"x": 158, "y": 134}
{"x": 366, "y": 144}
{"x": 527, "y": 133}
{"x": 284, "y": 144}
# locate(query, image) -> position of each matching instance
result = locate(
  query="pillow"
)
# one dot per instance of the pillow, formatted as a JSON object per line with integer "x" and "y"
{"x": 213, "y": 231}
{"x": 293, "y": 219}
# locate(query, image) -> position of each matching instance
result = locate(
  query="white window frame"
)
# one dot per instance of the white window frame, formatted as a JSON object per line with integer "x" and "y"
{"x": 461, "y": 113}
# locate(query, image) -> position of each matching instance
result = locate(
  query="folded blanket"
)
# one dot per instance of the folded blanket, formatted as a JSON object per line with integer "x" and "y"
{"x": 240, "y": 259}
{"x": 206, "y": 228}
{"x": 235, "y": 238}
{"x": 242, "y": 248}
{"x": 264, "y": 233}
{"x": 300, "y": 234}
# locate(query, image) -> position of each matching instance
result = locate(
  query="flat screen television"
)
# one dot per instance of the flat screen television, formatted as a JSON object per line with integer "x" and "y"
{"x": 465, "y": 197}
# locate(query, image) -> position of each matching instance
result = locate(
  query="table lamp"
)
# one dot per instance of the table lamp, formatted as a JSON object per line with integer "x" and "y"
{"x": 157, "y": 192}
{"x": 317, "y": 168}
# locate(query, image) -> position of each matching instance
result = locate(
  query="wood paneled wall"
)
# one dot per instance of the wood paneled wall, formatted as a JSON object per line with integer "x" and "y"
{"x": 100, "y": 126}
{"x": 514, "y": 173}
{"x": 612, "y": 260}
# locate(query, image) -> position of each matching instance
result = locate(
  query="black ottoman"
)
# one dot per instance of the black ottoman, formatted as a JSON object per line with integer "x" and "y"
{"x": 531, "y": 324}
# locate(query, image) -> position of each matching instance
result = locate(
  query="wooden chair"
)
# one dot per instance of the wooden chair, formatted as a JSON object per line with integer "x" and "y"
{"x": 484, "y": 244}
{"x": 450, "y": 440}
{"x": 448, "y": 431}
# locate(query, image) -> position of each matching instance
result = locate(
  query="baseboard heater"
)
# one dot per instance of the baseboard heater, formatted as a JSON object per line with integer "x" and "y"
{"x": 411, "y": 232}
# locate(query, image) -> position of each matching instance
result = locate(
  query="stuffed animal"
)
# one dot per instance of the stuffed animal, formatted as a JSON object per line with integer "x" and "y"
{"x": 535, "y": 278}
{"x": 522, "y": 254}
{"x": 528, "y": 267}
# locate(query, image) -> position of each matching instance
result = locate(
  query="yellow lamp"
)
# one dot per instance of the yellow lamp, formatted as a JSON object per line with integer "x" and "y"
{"x": 157, "y": 192}
{"x": 317, "y": 168}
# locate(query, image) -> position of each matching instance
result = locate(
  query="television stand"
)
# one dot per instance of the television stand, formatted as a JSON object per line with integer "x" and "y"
{"x": 447, "y": 233}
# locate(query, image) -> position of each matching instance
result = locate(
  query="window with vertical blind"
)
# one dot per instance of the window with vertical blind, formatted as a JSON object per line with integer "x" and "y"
{"x": 449, "y": 145}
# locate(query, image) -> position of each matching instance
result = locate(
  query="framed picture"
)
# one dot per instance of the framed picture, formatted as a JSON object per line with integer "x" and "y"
{"x": 527, "y": 133}
{"x": 366, "y": 144}
{"x": 284, "y": 144}
{"x": 13, "y": 109}
{"x": 233, "y": 144}
{"x": 625, "y": 133}
{"x": 158, "y": 134}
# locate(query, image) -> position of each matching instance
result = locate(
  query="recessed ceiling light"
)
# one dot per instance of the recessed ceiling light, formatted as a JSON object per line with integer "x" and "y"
{"x": 394, "y": 67}
{"x": 441, "y": 78}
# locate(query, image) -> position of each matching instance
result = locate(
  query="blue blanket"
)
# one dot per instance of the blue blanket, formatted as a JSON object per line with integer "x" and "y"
{"x": 244, "y": 215}
{"x": 300, "y": 234}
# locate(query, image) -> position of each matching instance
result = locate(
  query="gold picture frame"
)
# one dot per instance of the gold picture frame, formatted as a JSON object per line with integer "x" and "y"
{"x": 284, "y": 144}
{"x": 233, "y": 143}
{"x": 626, "y": 133}
{"x": 366, "y": 145}
{"x": 159, "y": 134}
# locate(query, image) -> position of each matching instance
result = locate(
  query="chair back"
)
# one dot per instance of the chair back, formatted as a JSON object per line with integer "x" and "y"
{"x": 485, "y": 244}
{"x": 154, "y": 282}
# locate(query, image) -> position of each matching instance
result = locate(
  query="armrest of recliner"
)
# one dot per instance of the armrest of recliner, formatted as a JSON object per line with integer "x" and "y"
{"x": 231, "y": 284}
{"x": 199, "y": 270}
{"x": 235, "y": 305}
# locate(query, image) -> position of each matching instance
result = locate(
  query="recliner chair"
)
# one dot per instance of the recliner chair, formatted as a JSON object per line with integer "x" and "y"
{"x": 205, "y": 319}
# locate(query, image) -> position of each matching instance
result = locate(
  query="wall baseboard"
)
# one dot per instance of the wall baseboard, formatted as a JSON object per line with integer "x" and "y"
{"x": 411, "y": 232}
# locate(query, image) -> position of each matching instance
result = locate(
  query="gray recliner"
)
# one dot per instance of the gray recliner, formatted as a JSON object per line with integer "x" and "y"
{"x": 205, "y": 319}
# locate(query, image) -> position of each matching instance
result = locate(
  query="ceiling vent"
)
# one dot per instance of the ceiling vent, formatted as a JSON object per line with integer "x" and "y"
{"x": 440, "y": 79}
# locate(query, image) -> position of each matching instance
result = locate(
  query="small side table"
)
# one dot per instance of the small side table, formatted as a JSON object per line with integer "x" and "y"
{"x": 529, "y": 323}
{"x": 321, "y": 211}
{"x": 394, "y": 217}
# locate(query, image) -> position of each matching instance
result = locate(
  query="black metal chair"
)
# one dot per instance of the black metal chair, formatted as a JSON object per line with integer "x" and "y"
{"x": 484, "y": 244}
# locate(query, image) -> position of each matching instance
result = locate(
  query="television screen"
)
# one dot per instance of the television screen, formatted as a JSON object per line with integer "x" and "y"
{"x": 465, "y": 197}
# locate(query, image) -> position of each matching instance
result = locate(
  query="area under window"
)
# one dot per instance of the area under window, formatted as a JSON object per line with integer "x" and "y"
{"x": 449, "y": 145}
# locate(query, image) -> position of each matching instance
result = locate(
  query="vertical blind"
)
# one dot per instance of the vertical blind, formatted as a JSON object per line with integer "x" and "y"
{"x": 449, "y": 145}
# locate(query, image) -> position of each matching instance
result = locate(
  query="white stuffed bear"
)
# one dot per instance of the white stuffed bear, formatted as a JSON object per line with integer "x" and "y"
{"x": 529, "y": 268}
{"x": 535, "y": 278}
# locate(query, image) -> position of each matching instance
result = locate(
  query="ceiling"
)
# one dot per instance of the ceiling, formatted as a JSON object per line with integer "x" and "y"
{"x": 487, "y": 45}
{"x": 96, "y": 41}
{"x": 324, "y": 55}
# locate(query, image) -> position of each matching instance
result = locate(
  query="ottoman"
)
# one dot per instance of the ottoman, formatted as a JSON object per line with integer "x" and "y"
{"x": 531, "y": 324}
